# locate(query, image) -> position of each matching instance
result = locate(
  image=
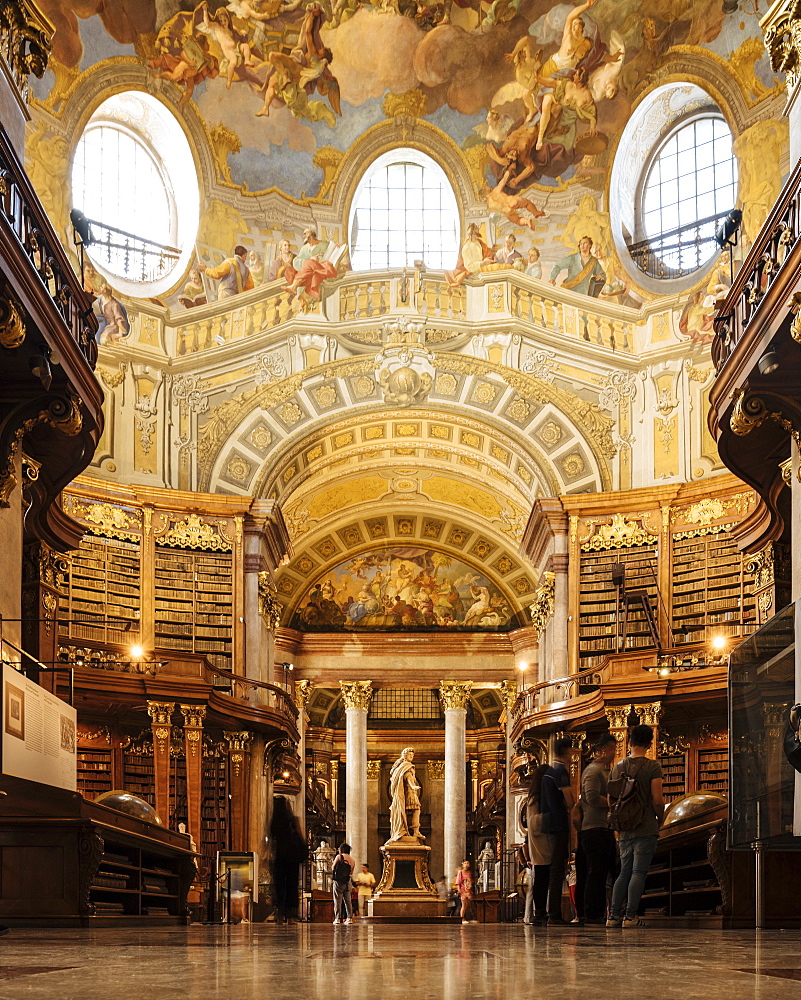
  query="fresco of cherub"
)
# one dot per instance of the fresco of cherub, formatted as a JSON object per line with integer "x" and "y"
{"x": 182, "y": 57}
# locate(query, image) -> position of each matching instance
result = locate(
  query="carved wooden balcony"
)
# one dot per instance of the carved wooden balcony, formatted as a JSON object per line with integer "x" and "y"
{"x": 755, "y": 403}
{"x": 51, "y": 403}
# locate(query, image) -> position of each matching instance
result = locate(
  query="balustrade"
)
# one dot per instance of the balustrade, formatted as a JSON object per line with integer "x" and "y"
{"x": 24, "y": 219}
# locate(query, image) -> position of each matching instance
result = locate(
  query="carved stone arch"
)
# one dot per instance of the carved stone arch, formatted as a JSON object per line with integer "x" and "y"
{"x": 219, "y": 434}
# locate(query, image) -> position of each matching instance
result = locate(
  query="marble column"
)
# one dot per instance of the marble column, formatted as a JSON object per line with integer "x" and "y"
{"x": 303, "y": 691}
{"x": 454, "y": 696}
{"x": 193, "y": 753}
{"x": 356, "y": 695}
{"x": 160, "y": 713}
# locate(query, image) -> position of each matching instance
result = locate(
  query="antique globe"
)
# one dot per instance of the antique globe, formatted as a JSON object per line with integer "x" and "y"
{"x": 693, "y": 805}
{"x": 129, "y": 804}
{"x": 404, "y": 381}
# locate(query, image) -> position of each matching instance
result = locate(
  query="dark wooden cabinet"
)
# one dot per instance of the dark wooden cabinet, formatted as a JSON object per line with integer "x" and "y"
{"x": 695, "y": 881}
{"x": 67, "y": 861}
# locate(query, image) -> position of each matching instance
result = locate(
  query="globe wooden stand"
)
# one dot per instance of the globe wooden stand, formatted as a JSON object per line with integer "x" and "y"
{"x": 406, "y": 889}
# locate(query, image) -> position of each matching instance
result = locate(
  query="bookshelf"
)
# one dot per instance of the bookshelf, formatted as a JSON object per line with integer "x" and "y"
{"x": 102, "y": 585}
{"x": 94, "y": 772}
{"x": 682, "y": 883}
{"x": 713, "y": 770}
{"x": 674, "y": 782}
{"x": 178, "y": 799}
{"x": 710, "y": 587}
{"x": 214, "y": 806}
{"x": 597, "y": 596}
{"x": 193, "y": 606}
{"x": 138, "y": 776}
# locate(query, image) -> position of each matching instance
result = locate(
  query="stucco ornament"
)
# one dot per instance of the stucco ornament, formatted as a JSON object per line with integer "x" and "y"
{"x": 404, "y": 368}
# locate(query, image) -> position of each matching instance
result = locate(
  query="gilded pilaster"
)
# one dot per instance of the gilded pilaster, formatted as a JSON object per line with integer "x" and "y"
{"x": 193, "y": 716}
{"x": 239, "y": 752}
{"x": 618, "y": 718}
{"x": 160, "y": 713}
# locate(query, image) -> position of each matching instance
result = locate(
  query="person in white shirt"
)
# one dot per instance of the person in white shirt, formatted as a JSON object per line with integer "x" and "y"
{"x": 365, "y": 881}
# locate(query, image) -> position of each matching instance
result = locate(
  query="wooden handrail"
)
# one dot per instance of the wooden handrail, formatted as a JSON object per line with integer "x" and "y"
{"x": 265, "y": 685}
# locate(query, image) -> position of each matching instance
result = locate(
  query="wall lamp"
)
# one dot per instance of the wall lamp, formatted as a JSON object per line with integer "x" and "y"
{"x": 769, "y": 361}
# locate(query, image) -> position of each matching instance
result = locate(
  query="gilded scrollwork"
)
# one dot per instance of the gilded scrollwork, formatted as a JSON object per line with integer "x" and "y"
{"x": 193, "y": 532}
{"x": 269, "y": 606}
{"x": 544, "y": 602}
{"x": 356, "y": 694}
{"x": 783, "y": 41}
{"x": 619, "y": 533}
{"x": 455, "y": 694}
{"x": 12, "y": 325}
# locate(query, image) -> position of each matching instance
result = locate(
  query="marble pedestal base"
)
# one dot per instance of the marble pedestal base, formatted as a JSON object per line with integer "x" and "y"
{"x": 405, "y": 889}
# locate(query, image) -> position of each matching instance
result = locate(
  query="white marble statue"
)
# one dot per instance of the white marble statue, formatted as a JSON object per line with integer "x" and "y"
{"x": 404, "y": 810}
{"x": 323, "y": 859}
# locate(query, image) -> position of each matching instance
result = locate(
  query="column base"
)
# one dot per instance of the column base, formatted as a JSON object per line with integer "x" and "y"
{"x": 405, "y": 889}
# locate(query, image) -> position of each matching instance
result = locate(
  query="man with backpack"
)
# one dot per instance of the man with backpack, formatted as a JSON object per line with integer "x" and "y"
{"x": 636, "y": 810}
{"x": 341, "y": 875}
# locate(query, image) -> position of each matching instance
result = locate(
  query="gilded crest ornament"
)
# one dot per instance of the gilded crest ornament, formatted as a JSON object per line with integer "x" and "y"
{"x": 194, "y": 533}
{"x": 269, "y": 608}
{"x": 544, "y": 602}
{"x": 618, "y": 534}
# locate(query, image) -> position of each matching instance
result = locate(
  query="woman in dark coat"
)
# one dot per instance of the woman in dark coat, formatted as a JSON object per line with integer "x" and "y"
{"x": 289, "y": 851}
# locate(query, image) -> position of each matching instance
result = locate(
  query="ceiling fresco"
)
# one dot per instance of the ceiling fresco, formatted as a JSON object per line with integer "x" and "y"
{"x": 532, "y": 94}
{"x": 404, "y": 588}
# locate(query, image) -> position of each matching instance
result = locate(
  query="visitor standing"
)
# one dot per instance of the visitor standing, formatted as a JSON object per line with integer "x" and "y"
{"x": 637, "y": 843}
{"x": 464, "y": 885}
{"x": 364, "y": 882}
{"x": 538, "y": 846}
{"x": 595, "y": 858}
{"x": 556, "y": 802}
{"x": 289, "y": 851}
{"x": 341, "y": 881}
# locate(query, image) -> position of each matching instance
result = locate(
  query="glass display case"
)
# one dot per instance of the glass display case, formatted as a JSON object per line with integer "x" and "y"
{"x": 761, "y": 692}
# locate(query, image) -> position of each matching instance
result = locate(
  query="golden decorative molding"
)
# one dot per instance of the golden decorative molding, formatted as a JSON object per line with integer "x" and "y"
{"x": 509, "y": 694}
{"x": 12, "y": 326}
{"x": 239, "y": 745}
{"x": 750, "y": 412}
{"x": 112, "y": 380}
{"x": 373, "y": 770}
{"x": 193, "y": 715}
{"x": 195, "y": 533}
{"x": 25, "y": 37}
{"x": 618, "y": 716}
{"x": 435, "y": 769}
{"x": 544, "y": 602}
{"x": 107, "y": 520}
{"x": 269, "y": 608}
{"x": 782, "y": 30}
{"x": 223, "y": 141}
{"x": 303, "y": 690}
{"x": 329, "y": 160}
{"x": 356, "y": 694}
{"x": 618, "y": 534}
{"x": 649, "y": 715}
{"x": 455, "y": 694}
{"x": 710, "y": 509}
{"x": 411, "y": 103}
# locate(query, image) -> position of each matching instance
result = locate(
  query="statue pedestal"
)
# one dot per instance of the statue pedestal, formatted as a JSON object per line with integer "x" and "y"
{"x": 405, "y": 889}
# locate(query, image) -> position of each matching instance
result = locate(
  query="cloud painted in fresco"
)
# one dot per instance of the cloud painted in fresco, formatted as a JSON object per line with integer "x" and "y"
{"x": 350, "y": 126}
{"x": 373, "y": 53}
{"x": 236, "y": 109}
{"x": 278, "y": 166}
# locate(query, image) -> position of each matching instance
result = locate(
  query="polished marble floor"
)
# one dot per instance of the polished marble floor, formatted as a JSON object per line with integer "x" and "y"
{"x": 398, "y": 962}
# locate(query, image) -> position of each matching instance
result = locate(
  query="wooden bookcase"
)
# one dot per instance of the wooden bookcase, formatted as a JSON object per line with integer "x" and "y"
{"x": 674, "y": 782}
{"x": 194, "y": 603}
{"x": 102, "y": 585}
{"x": 214, "y": 806}
{"x": 94, "y": 772}
{"x": 710, "y": 586}
{"x": 713, "y": 770}
{"x": 597, "y": 595}
{"x": 138, "y": 776}
{"x": 132, "y": 881}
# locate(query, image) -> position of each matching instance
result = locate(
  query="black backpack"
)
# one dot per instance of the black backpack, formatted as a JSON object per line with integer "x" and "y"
{"x": 341, "y": 872}
{"x": 627, "y": 809}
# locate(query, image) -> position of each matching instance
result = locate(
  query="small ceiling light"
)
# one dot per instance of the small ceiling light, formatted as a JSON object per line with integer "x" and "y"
{"x": 769, "y": 361}
{"x": 718, "y": 642}
{"x": 137, "y": 652}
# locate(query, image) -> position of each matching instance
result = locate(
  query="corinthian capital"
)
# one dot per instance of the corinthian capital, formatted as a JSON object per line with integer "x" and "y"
{"x": 455, "y": 694}
{"x": 356, "y": 694}
{"x": 160, "y": 712}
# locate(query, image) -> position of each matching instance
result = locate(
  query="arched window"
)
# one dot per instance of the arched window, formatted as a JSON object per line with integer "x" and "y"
{"x": 404, "y": 210}
{"x": 133, "y": 177}
{"x": 690, "y": 183}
